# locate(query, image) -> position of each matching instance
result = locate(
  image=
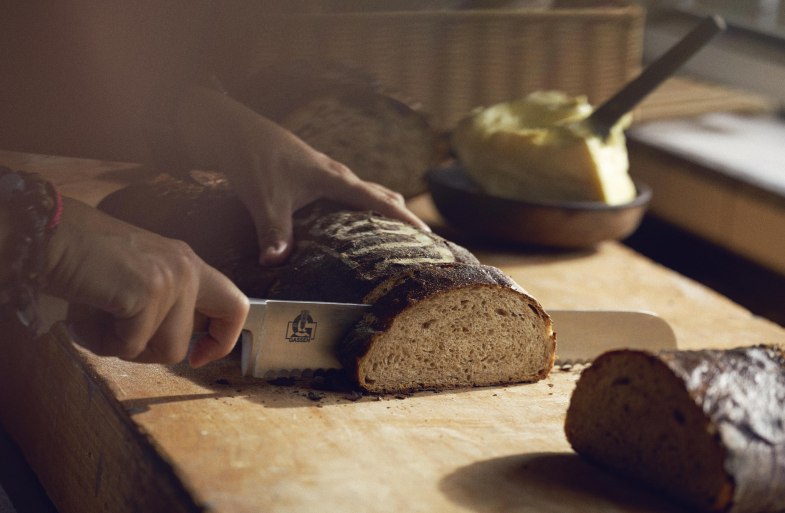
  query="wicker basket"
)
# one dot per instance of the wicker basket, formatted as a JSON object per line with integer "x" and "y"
{"x": 452, "y": 60}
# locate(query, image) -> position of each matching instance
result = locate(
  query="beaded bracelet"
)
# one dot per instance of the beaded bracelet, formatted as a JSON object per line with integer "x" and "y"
{"x": 35, "y": 208}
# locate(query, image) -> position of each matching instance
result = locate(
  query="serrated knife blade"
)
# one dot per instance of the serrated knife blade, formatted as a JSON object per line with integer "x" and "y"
{"x": 583, "y": 335}
{"x": 291, "y": 338}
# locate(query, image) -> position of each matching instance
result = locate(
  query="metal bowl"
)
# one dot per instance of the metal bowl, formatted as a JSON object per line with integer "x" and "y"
{"x": 568, "y": 225}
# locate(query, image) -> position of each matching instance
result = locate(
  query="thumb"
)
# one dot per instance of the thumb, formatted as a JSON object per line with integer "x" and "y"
{"x": 274, "y": 234}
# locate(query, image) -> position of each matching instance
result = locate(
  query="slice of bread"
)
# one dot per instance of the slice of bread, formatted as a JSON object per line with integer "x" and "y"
{"x": 449, "y": 326}
{"x": 705, "y": 427}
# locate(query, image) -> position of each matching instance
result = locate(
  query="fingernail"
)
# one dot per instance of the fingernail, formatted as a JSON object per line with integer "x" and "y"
{"x": 273, "y": 254}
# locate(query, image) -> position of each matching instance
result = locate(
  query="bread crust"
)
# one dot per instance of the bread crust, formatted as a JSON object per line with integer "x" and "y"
{"x": 739, "y": 395}
{"x": 406, "y": 289}
{"x": 742, "y": 391}
{"x": 348, "y": 253}
{"x": 340, "y": 255}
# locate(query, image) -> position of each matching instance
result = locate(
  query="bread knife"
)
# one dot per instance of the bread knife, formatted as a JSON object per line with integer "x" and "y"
{"x": 292, "y": 338}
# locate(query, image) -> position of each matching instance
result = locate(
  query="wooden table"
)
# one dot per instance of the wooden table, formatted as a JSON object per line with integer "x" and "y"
{"x": 108, "y": 435}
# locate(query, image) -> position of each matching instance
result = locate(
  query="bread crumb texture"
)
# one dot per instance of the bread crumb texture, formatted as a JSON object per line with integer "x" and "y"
{"x": 465, "y": 336}
{"x": 706, "y": 427}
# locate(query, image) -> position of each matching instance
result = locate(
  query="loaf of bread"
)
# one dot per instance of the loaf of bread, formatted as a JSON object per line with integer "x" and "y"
{"x": 347, "y": 114}
{"x": 705, "y": 427}
{"x": 439, "y": 318}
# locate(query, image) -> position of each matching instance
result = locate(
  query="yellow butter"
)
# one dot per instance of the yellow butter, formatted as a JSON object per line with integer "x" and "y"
{"x": 535, "y": 148}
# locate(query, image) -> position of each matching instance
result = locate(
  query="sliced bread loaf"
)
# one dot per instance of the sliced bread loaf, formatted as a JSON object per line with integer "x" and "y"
{"x": 439, "y": 318}
{"x": 706, "y": 427}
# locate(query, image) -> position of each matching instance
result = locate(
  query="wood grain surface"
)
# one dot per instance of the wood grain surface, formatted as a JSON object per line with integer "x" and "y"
{"x": 108, "y": 435}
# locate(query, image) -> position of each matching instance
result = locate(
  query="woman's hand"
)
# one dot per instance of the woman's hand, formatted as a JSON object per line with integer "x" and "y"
{"x": 273, "y": 171}
{"x": 137, "y": 295}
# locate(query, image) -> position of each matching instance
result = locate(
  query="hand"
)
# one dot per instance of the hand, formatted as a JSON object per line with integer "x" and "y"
{"x": 136, "y": 295}
{"x": 274, "y": 172}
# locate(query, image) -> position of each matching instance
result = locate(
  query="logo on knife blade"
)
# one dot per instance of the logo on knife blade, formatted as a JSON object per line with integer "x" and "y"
{"x": 302, "y": 328}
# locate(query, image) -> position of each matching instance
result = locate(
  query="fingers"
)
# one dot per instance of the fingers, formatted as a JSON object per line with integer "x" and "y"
{"x": 363, "y": 195}
{"x": 271, "y": 214}
{"x": 274, "y": 234}
{"x": 226, "y": 307}
{"x": 161, "y": 331}
{"x": 139, "y": 339}
{"x": 391, "y": 204}
{"x": 170, "y": 339}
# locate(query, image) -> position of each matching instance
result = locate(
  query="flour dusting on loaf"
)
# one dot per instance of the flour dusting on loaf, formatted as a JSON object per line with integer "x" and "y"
{"x": 706, "y": 427}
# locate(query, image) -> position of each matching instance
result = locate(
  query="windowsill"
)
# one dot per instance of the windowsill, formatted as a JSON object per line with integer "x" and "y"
{"x": 715, "y": 176}
{"x": 743, "y": 57}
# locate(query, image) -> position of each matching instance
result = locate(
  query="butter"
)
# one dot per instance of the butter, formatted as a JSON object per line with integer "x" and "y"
{"x": 536, "y": 148}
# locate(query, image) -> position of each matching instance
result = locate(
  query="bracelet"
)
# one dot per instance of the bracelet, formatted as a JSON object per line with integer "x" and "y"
{"x": 35, "y": 208}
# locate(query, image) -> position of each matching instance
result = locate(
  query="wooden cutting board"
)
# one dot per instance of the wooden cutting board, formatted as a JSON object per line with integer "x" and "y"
{"x": 108, "y": 435}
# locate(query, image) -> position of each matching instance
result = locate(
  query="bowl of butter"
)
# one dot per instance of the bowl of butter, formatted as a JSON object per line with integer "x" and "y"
{"x": 531, "y": 172}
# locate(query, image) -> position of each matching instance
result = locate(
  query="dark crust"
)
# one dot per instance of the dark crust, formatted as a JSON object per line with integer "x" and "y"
{"x": 208, "y": 217}
{"x": 379, "y": 160}
{"x": 413, "y": 286}
{"x": 365, "y": 102}
{"x": 741, "y": 391}
{"x": 287, "y": 91}
{"x": 323, "y": 267}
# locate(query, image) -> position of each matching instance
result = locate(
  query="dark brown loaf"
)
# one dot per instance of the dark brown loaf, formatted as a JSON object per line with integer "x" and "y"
{"x": 487, "y": 329}
{"x": 346, "y": 114}
{"x": 381, "y": 139}
{"x": 706, "y": 427}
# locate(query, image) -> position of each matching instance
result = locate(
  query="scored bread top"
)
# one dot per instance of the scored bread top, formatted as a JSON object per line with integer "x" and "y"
{"x": 340, "y": 255}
